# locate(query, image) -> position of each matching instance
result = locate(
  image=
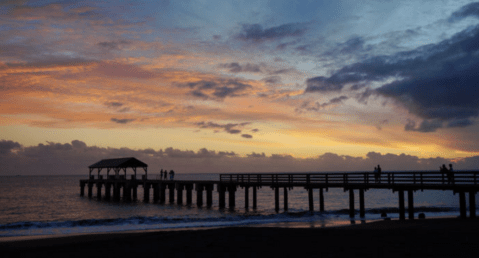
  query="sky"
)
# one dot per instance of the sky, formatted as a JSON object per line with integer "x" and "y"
{"x": 239, "y": 86}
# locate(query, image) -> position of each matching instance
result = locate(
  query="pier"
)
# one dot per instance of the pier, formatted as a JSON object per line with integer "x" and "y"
{"x": 464, "y": 182}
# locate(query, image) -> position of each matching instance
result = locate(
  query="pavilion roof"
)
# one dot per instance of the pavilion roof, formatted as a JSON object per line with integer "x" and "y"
{"x": 119, "y": 163}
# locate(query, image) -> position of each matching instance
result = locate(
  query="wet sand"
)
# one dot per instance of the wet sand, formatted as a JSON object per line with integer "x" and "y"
{"x": 416, "y": 238}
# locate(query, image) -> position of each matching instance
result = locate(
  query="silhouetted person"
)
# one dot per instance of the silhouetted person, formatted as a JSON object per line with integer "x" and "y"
{"x": 166, "y": 172}
{"x": 161, "y": 174}
{"x": 172, "y": 174}
{"x": 450, "y": 174}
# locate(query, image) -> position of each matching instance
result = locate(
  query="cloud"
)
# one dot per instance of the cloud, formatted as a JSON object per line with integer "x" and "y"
{"x": 218, "y": 89}
{"x": 436, "y": 82}
{"x": 237, "y": 68}
{"x": 7, "y": 146}
{"x": 75, "y": 157}
{"x": 468, "y": 10}
{"x": 113, "y": 45}
{"x": 229, "y": 128}
{"x": 122, "y": 121}
{"x": 322, "y": 84}
{"x": 318, "y": 106}
{"x": 247, "y": 136}
{"x": 256, "y": 33}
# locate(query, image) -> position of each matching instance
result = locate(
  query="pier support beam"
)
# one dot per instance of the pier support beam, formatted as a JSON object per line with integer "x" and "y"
{"x": 410, "y": 203}
{"x": 107, "y": 191}
{"x": 82, "y": 189}
{"x": 276, "y": 199}
{"x": 321, "y": 200}
{"x": 351, "y": 203}
{"x": 134, "y": 188}
{"x": 246, "y": 197}
{"x": 156, "y": 192}
{"x": 171, "y": 187}
{"x": 472, "y": 204}
{"x": 310, "y": 199}
{"x": 462, "y": 204}
{"x": 254, "y": 198}
{"x": 199, "y": 195}
{"x": 188, "y": 187}
{"x": 231, "y": 196}
{"x": 402, "y": 210}
{"x": 98, "y": 191}
{"x": 126, "y": 192}
{"x": 116, "y": 191}
{"x": 209, "y": 195}
{"x": 179, "y": 193}
{"x": 285, "y": 196}
{"x": 221, "y": 195}
{"x": 162, "y": 193}
{"x": 90, "y": 190}
{"x": 146, "y": 192}
{"x": 361, "y": 203}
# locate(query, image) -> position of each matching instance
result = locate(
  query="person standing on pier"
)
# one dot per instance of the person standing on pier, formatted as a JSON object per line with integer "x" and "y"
{"x": 172, "y": 174}
{"x": 450, "y": 174}
{"x": 161, "y": 174}
{"x": 166, "y": 172}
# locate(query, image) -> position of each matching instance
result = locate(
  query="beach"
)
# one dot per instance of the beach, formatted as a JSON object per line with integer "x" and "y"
{"x": 410, "y": 238}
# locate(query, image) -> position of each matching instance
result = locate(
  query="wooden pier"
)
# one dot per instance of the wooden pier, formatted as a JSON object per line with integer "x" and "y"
{"x": 400, "y": 182}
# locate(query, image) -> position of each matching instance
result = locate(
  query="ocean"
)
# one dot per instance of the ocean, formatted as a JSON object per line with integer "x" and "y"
{"x": 52, "y": 206}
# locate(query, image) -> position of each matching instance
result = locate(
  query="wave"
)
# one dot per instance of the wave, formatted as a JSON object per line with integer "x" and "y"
{"x": 187, "y": 221}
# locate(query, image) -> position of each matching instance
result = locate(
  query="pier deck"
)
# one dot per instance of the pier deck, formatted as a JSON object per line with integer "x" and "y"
{"x": 461, "y": 182}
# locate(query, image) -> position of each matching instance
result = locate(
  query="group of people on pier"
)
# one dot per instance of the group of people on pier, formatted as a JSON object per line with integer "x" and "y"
{"x": 449, "y": 172}
{"x": 164, "y": 174}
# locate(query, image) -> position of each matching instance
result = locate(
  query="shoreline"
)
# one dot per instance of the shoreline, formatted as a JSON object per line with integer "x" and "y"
{"x": 415, "y": 238}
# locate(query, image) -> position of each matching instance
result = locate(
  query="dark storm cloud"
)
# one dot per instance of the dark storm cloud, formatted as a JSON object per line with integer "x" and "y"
{"x": 122, "y": 121}
{"x": 237, "y": 68}
{"x": 468, "y": 10}
{"x": 216, "y": 89}
{"x": 436, "y": 82}
{"x": 322, "y": 84}
{"x": 229, "y": 128}
{"x": 255, "y": 32}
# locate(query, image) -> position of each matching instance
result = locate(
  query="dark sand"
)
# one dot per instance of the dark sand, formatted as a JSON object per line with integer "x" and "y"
{"x": 417, "y": 238}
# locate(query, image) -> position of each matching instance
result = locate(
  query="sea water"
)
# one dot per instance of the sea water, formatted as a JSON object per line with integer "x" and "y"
{"x": 52, "y": 205}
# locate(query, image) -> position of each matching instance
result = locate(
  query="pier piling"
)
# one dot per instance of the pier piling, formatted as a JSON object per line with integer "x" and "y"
{"x": 246, "y": 197}
{"x": 402, "y": 211}
{"x": 221, "y": 195}
{"x": 254, "y": 197}
{"x": 310, "y": 199}
{"x": 188, "y": 187}
{"x": 199, "y": 195}
{"x": 410, "y": 203}
{"x": 462, "y": 204}
{"x": 276, "y": 199}
{"x": 146, "y": 192}
{"x": 321, "y": 200}
{"x": 209, "y": 195}
{"x": 171, "y": 188}
{"x": 351, "y": 203}
{"x": 472, "y": 204}
{"x": 361, "y": 203}
{"x": 179, "y": 193}
{"x": 285, "y": 196}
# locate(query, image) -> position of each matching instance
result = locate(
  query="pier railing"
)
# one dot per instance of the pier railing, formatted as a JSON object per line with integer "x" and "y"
{"x": 385, "y": 178}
